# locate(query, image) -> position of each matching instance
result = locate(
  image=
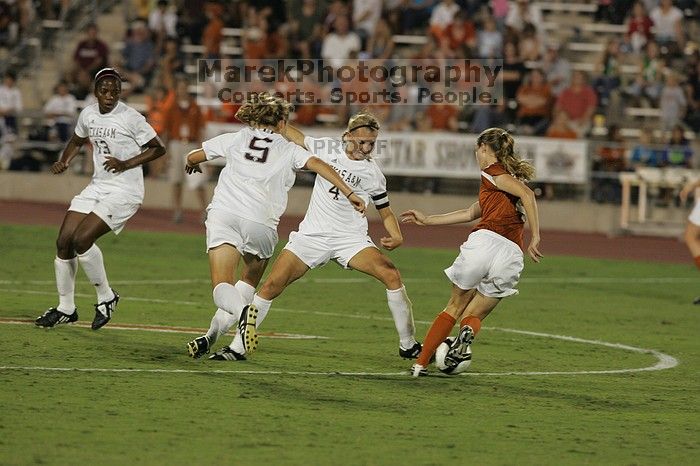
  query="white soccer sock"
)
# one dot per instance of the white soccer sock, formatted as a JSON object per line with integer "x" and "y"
{"x": 92, "y": 263}
{"x": 401, "y": 311}
{"x": 263, "y": 306}
{"x": 247, "y": 291}
{"x": 227, "y": 297}
{"x": 220, "y": 324}
{"x": 65, "y": 283}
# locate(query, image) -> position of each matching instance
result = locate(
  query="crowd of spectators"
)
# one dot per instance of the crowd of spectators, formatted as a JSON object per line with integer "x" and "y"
{"x": 546, "y": 94}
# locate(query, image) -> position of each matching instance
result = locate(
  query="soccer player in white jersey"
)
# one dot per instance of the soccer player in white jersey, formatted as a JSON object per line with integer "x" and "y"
{"x": 331, "y": 230}
{"x": 122, "y": 141}
{"x": 249, "y": 199}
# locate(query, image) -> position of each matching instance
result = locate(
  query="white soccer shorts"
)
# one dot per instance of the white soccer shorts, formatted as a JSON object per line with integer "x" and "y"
{"x": 694, "y": 216}
{"x": 317, "y": 250}
{"x": 177, "y": 151}
{"x": 114, "y": 208}
{"x": 488, "y": 262}
{"x": 247, "y": 236}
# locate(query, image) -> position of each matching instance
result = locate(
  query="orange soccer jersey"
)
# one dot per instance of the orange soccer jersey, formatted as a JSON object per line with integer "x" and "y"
{"x": 499, "y": 209}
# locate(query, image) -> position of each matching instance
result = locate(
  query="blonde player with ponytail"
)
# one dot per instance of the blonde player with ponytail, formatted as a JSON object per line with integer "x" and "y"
{"x": 490, "y": 261}
{"x": 249, "y": 199}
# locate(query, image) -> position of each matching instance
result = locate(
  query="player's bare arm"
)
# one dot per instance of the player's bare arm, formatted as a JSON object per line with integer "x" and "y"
{"x": 517, "y": 188}
{"x": 193, "y": 160}
{"x": 391, "y": 224}
{"x": 71, "y": 150}
{"x": 154, "y": 149}
{"x": 326, "y": 171}
{"x": 293, "y": 134}
{"x": 467, "y": 215}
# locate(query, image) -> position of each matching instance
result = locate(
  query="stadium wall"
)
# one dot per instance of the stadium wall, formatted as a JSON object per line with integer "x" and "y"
{"x": 554, "y": 215}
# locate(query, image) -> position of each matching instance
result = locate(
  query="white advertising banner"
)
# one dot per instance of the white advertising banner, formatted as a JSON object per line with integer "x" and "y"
{"x": 451, "y": 155}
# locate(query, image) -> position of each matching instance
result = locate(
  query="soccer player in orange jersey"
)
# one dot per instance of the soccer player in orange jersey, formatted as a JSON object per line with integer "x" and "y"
{"x": 490, "y": 261}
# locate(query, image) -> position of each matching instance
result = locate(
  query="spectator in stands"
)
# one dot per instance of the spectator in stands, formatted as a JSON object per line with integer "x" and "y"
{"x": 579, "y": 102}
{"x": 10, "y": 102}
{"x": 639, "y": 26}
{"x": 81, "y": 88}
{"x": 489, "y": 116}
{"x": 162, "y": 21}
{"x": 523, "y": 12}
{"x": 139, "y": 57}
{"x": 184, "y": 128}
{"x": 529, "y": 45}
{"x": 556, "y": 69}
{"x": 9, "y": 24}
{"x": 610, "y": 159}
{"x": 608, "y": 71}
{"x": 336, "y": 9}
{"x": 438, "y": 116}
{"x": 677, "y": 152}
{"x": 499, "y": 9}
{"x": 513, "y": 73}
{"x": 91, "y": 54}
{"x": 158, "y": 103}
{"x": 648, "y": 83}
{"x": 415, "y": 13}
{"x": 459, "y": 38}
{"x": 441, "y": 17}
{"x": 489, "y": 40}
{"x": 668, "y": 24}
{"x": 534, "y": 99}
{"x": 172, "y": 63}
{"x": 61, "y": 111}
{"x": 193, "y": 20}
{"x": 381, "y": 44}
{"x": 645, "y": 153}
{"x": 692, "y": 89}
{"x": 365, "y": 15}
{"x": 559, "y": 128}
{"x": 672, "y": 102}
{"x": 214, "y": 31}
{"x": 306, "y": 30}
{"x": 340, "y": 44}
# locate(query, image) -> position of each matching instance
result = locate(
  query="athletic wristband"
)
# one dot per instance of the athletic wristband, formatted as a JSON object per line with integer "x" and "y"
{"x": 349, "y": 194}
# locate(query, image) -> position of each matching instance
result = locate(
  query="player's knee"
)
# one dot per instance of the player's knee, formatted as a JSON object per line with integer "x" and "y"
{"x": 81, "y": 242}
{"x": 390, "y": 275}
{"x": 64, "y": 245}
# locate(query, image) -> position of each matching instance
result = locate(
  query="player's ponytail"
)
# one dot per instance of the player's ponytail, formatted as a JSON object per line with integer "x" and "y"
{"x": 264, "y": 109}
{"x": 503, "y": 145}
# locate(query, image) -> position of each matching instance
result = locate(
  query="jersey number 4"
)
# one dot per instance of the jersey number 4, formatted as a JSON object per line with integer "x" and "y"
{"x": 335, "y": 192}
{"x": 260, "y": 152}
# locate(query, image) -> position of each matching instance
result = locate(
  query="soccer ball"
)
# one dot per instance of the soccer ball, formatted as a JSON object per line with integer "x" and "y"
{"x": 449, "y": 365}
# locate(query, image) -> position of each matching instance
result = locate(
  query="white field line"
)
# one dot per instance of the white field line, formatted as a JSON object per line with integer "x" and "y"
{"x": 562, "y": 280}
{"x": 664, "y": 361}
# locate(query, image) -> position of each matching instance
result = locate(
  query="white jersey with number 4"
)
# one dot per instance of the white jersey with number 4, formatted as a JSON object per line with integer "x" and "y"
{"x": 330, "y": 212}
{"x": 260, "y": 169}
{"x": 120, "y": 134}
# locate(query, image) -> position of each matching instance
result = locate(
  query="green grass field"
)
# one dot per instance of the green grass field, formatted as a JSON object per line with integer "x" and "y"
{"x": 73, "y": 396}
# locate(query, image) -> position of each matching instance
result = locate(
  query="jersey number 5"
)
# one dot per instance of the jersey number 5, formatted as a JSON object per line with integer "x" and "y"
{"x": 261, "y": 152}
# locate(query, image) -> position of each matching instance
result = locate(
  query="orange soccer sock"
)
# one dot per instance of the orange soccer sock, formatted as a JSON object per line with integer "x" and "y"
{"x": 697, "y": 261}
{"x": 441, "y": 328}
{"x": 473, "y": 322}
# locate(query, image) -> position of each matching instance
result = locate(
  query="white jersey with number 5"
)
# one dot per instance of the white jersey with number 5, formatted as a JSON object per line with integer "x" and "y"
{"x": 260, "y": 169}
{"x": 120, "y": 134}
{"x": 330, "y": 212}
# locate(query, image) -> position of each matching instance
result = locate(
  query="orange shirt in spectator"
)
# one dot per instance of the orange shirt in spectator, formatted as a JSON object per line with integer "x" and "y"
{"x": 577, "y": 102}
{"x": 442, "y": 116}
{"x": 158, "y": 106}
{"x": 534, "y": 100}
{"x": 185, "y": 123}
{"x": 213, "y": 33}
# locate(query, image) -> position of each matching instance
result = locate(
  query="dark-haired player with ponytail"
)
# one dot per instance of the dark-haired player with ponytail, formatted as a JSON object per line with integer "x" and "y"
{"x": 122, "y": 142}
{"x": 249, "y": 199}
{"x": 490, "y": 261}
